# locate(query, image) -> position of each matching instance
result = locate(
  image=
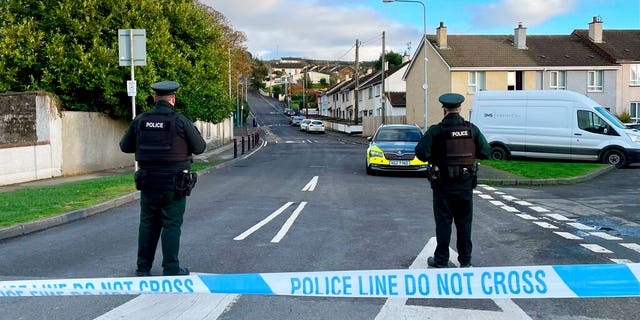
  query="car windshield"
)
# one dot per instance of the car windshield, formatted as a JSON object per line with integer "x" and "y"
{"x": 398, "y": 135}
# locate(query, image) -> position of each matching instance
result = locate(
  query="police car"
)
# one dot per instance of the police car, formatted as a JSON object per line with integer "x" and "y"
{"x": 392, "y": 147}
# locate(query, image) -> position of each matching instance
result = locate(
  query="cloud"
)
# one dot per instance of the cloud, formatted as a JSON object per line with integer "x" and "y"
{"x": 324, "y": 30}
{"x": 507, "y": 13}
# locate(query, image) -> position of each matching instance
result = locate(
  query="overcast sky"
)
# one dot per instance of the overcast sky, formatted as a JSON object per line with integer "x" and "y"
{"x": 328, "y": 29}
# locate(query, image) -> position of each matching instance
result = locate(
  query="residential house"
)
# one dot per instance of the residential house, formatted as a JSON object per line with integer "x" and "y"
{"x": 467, "y": 64}
{"x": 394, "y": 98}
{"x": 623, "y": 48}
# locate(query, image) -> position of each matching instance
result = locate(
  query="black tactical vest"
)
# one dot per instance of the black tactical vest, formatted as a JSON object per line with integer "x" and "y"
{"x": 158, "y": 139}
{"x": 457, "y": 147}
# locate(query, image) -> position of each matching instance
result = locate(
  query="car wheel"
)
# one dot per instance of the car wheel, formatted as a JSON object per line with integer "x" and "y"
{"x": 615, "y": 157}
{"x": 369, "y": 171}
{"x": 498, "y": 153}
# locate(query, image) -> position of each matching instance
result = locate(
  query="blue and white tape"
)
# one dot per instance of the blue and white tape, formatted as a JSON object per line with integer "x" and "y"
{"x": 559, "y": 281}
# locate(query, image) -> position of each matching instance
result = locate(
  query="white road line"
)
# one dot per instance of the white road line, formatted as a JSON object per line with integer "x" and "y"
{"x": 632, "y": 246}
{"x": 557, "y": 216}
{"x": 203, "y": 306}
{"x": 567, "y": 235}
{"x": 605, "y": 236}
{"x": 596, "y": 248}
{"x": 486, "y": 187}
{"x": 397, "y": 308}
{"x": 510, "y": 209}
{"x": 545, "y": 225}
{"x": 497, "y": 203}
{"x": 285, "y": 227}
{"x": 485, "y": 196}
{"x": 621, "y": 261}
{"x": 509, "y": 198}
{"x": 311, "y": 185}
{"x": 580, "y": 226}
{"x": 526, "y": 216}
{"x": 539, "y": 209}
{"x": 523, "y": 203}
{"x": 260, "y": 224}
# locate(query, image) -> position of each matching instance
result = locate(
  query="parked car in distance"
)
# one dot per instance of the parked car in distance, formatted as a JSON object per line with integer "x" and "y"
{"x": 295, "y": 120}
{"x": 315, "y": 126}
{"x": 289, "y": 112}
{"x": 633, "y": 125}
{"x": 392, "y": 148}
{"x": 304, "y": 123}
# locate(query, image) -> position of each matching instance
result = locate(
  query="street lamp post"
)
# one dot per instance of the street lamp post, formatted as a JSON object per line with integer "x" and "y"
{"x": 424, "y": 35}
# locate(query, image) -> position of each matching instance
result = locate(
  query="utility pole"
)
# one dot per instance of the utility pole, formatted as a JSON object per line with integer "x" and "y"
{"x": 383, "y": 99}
{"x": 304, "y": 91}
{"x": 355, "y": 90}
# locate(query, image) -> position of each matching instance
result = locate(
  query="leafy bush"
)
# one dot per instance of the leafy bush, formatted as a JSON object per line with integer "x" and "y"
{"x": 70, "y": 48}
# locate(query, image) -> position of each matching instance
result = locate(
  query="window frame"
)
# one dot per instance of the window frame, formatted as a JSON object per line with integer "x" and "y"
{"x": 634, "y": 111}
{"x": 634, "y": 75}
{"x": 476, "y": 81}
{"x": 595, "y": 81}
{"x": 560, "y": 79}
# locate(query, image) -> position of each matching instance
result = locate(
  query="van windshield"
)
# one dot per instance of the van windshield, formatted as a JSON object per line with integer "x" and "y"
{"x": 603, "y": 112}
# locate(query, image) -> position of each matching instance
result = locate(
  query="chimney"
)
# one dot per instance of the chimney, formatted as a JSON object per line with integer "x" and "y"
{"x": 595, "y": 30}
{"x": 520, "y": 37}
{"x": 441, "y": 36}
{"x": 405, "y": 57}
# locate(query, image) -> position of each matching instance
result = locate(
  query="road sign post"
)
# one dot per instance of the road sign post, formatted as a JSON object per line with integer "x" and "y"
{"x": 132, "y": 51}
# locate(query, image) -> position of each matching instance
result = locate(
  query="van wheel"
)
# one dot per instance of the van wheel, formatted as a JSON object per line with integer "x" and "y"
{"x": 499, "y": 153}
{"x": 615, "y": 157}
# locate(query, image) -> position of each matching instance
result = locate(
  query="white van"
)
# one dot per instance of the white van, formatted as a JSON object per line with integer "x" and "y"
{"x": 555, "y": 124}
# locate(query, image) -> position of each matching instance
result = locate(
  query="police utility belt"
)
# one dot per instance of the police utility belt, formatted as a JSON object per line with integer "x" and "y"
{"x": 452, "y": 173}
{"x": 182, "y": 182}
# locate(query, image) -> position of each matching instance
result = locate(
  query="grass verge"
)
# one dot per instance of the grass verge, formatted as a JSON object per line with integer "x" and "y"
{"x": 545, "y": 169}
{"x": 30, "y": 204}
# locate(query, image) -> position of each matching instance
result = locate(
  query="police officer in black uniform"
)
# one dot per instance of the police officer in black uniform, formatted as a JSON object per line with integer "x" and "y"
{"x": 163, "y": 141}
{"x": 451, "y": 148}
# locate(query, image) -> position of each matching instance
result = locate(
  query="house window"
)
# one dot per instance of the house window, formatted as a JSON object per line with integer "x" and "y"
{"x": 377, "y": 91}
{"x": 370, "y": 92}
{"x": 476, "y": 81}
{"x": 635, "y": 75}
{"x": 558, "y": 80}
{"x": 595, "y": 80}
{"x": 634, "y": 111}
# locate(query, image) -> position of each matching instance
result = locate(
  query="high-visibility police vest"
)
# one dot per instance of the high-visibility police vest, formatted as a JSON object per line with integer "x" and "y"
{"x": 457, "y": 147}
{"x": 159, "y": 140}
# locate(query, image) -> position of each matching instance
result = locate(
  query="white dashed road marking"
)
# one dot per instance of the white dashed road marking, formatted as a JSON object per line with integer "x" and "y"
{"x": 596, "y": 248}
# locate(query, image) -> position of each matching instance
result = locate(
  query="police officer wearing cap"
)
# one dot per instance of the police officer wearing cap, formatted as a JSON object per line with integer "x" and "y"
{"x": 163, "y": 141}
{"x": 451, "y": 148}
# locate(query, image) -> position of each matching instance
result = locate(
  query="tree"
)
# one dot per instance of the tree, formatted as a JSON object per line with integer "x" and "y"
{"x": 391, "y": 58}
{"x": 70, "y": 48}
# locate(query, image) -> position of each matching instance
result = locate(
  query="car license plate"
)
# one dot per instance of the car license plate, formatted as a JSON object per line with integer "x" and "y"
{"x": 399, "y": 163}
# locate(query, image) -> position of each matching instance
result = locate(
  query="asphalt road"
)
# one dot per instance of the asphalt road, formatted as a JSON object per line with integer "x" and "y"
{"x": 346, "y": 220}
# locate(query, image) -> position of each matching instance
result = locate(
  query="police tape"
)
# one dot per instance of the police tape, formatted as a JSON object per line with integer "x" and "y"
{"x": 558, "y": 281}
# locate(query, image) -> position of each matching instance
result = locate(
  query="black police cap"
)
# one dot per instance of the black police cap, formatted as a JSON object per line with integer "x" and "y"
{"x": 165, "y": 88}
{"x": 451, "y": 100}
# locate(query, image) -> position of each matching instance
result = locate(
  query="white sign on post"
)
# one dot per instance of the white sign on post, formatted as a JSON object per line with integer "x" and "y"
{"x": 131, "y": 88}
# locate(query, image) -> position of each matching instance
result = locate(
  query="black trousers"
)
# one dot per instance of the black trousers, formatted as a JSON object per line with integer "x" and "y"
{"x": 160, "y": 217}
{"x": 453, "y": 206}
